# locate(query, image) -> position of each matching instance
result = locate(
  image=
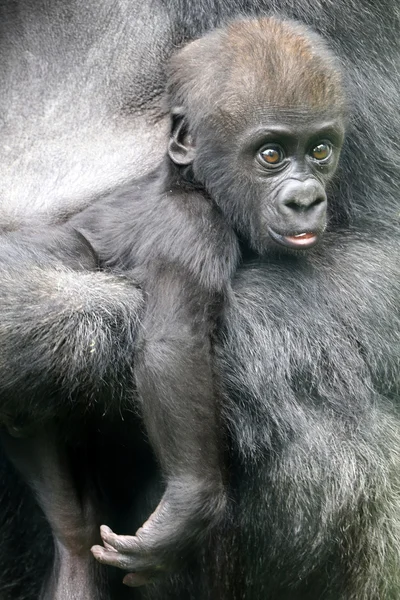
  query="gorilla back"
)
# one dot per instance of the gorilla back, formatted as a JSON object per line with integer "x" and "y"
{"x": 309, "y": 347}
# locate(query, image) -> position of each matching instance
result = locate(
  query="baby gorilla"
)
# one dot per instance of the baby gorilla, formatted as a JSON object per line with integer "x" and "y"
{"x": 257, "y": 124}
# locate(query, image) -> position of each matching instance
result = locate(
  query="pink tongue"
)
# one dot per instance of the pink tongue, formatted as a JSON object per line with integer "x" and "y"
{"x": 302, "y": 238}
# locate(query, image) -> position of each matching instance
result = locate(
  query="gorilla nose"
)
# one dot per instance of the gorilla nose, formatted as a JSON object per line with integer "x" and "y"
{"x": 303, "y": 197}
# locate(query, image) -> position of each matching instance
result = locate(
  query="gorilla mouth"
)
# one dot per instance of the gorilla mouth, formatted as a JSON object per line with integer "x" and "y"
{"x": 306, "y": 239}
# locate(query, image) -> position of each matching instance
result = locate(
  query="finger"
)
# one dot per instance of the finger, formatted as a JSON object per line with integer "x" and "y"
{"x": 112, "y": 558}
{"x": 108, "y": 547}
{"x": 121, "y": 543}
{"x": 123, "y": 561}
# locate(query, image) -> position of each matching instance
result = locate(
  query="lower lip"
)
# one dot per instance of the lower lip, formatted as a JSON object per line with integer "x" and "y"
{"x": 304, "y": 240}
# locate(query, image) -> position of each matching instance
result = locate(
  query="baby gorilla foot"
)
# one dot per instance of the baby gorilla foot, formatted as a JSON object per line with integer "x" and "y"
{"x": 182, "y": 519}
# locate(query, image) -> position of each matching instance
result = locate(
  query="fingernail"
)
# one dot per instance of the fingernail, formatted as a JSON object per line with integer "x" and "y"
{"x": 135, "y": 580}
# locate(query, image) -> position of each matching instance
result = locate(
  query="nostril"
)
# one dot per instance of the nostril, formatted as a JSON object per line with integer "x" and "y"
{"x": 318, "y": 201}
{"x": 295, "y": 207}
{"x": 301, "y": 206}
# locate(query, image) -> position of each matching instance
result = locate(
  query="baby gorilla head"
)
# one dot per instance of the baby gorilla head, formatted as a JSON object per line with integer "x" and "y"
{"x": 258, "y": 115}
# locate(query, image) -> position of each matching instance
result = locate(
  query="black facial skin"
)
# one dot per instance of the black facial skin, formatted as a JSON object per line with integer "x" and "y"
{"x": 296, "y": 213}
{"x": 288, "y": 197}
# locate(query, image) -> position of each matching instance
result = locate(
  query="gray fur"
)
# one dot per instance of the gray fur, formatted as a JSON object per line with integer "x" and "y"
{"x": 319, "y": 518}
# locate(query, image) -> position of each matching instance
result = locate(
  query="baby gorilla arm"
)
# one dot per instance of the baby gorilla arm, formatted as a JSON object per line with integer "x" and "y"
{"x": 175, "y": 384}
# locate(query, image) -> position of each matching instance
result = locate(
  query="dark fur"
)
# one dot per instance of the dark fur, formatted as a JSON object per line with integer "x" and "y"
{"x": 330, "y": 334}
{"x": 175, "y": 231}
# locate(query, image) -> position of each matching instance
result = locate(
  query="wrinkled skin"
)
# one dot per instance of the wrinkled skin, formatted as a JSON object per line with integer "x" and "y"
{"x": 308, "y": 350}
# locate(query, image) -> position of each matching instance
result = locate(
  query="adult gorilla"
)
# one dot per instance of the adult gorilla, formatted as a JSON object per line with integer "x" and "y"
{"x": 308, "y": 348}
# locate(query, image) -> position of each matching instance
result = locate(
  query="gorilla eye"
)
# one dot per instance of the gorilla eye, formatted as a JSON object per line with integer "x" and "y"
{"x": 322, "y": 151}
{"x": 272, "y": 154}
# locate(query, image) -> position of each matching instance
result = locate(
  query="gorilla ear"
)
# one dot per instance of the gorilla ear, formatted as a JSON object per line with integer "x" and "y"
{"x": 181, "y": 149}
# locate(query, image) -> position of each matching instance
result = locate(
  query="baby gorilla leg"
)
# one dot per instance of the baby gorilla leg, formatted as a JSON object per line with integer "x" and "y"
{"x": 175, "y": 384}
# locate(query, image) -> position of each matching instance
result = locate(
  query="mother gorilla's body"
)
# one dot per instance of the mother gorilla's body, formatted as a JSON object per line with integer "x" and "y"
{"x": 308, "y": 348}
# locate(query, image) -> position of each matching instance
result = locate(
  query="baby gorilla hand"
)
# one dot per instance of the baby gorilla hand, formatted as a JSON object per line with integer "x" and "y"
{"x": 181, "y": 520}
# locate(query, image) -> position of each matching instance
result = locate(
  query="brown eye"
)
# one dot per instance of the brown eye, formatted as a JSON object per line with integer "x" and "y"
{"x": 322, "y": 151}
{"x": 272, "y": 154}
